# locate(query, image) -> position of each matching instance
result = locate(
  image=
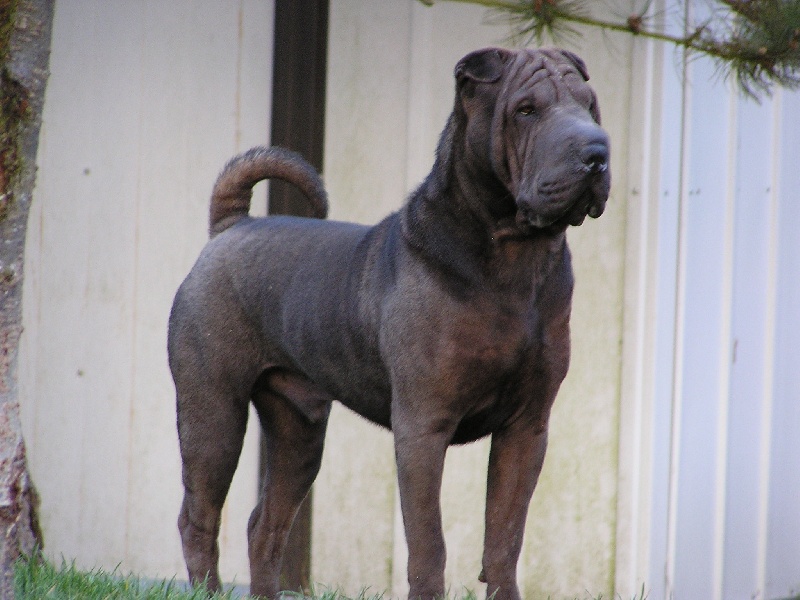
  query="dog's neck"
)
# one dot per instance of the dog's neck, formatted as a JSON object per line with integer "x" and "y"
{"x": 463, "y": 220}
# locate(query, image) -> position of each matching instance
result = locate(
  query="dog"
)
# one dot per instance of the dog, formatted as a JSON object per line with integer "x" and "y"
{"x": 446, "y": 322}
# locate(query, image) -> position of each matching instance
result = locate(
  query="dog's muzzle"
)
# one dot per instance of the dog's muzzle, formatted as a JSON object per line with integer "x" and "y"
{"x": 571, "y": 187}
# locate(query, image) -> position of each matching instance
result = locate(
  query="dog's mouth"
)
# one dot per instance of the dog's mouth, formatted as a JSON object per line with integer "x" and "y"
{"x": 559, "y": 203}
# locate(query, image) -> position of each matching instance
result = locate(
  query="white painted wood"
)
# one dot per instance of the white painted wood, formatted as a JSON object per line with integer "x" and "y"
{"x": 725, "y": 345}
{"x": 749, "y": 309}
{"x": 145, "y": 103}
{"x": 441, "y": 37}
{"x": 577, "y": 493}
{"x": 771, "y": 293}
{"x": 389, "y": 96}
{"x": 85, "y": 319}
{"x": 636, "y": 399}
{"x": 689, "y": 309}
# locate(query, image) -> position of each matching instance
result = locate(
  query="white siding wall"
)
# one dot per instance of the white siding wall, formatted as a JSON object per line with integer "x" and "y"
{"x": 713, "y": 402}
{"x": 145, "y": 102}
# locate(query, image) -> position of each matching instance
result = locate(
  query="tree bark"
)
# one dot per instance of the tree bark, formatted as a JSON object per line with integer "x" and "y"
{"x": 25, "y": 30}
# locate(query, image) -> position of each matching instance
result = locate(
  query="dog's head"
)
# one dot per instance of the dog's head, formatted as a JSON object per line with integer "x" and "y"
{"x": 534, "y": 121}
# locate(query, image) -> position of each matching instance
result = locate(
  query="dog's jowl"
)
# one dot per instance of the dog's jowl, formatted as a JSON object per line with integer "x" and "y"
{"x": 446, "y": 322}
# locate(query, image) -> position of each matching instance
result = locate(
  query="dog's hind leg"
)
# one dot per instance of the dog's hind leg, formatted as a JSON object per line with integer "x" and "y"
{"x": 294, "y": 445}
{"x": 211, "y": 438}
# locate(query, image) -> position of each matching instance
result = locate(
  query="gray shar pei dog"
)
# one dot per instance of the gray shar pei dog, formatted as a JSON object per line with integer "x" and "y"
{"x": 446, "y": 322}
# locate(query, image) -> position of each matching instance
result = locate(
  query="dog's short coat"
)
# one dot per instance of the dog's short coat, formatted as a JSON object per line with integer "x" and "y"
{"x": 446, "y": 322}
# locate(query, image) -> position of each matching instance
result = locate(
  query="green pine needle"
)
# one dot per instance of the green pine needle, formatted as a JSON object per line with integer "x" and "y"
{"x": 755, "y": 42}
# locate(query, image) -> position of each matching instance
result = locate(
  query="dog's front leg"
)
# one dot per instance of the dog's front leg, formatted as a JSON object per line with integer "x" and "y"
{"x": 515, "y": 462}
{"x": 420, "y": 456}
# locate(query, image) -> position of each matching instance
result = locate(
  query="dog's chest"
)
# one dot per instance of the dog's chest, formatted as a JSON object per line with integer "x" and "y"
{"x": 476, "y": 349}
{"x": 482, "y": 366}
{"x": 481, "y": 341}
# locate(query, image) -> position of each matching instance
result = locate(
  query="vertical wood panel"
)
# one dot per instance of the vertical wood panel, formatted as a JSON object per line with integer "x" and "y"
{"x": 432, "y": 63}
{"x": 145, "y": 103}
{"x": 576, "y": 499}
{"x": 668, "y": 209}
{"x": 219, "y": 75}
{"x": 251, "y": 112}
{"x": 82, "y": 330}
{"x": 365, "y": 153}
{"x": 375, "y": 116}
{"x": 635, "y": 476}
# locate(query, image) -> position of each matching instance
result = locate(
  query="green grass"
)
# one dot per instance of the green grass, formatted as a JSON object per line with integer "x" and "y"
{"x": 38, "y": 579}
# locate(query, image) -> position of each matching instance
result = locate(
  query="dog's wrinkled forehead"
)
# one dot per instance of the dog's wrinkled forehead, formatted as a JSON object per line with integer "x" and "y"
{"x": 556, "y": 61}
{"x": 546, "y": 71}
{"x": 552, "y": 73}
{"x": 490, "y": 64}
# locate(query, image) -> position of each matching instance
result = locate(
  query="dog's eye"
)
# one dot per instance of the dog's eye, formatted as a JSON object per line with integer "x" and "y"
{"x": 525, "y": 110}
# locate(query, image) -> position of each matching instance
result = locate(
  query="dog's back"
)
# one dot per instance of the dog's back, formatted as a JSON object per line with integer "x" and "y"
{"x": 285, "y": 293}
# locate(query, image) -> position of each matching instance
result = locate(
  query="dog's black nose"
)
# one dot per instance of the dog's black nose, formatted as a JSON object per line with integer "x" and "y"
{"x": 594, "y": 156}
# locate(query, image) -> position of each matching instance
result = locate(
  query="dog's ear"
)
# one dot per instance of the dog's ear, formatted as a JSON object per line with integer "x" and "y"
{"x": 577, "y": 61}
{"x": 482, "y": 66}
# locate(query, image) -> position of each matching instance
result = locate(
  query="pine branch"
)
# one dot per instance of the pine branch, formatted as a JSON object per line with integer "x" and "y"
{"x": 757, "y": 42}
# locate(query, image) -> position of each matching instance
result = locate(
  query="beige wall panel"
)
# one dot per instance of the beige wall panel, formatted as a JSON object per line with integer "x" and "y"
{"x": 365, "y": 173}
{"x": 570, "y": 539}
{"x": 145, "y": 103}
{"x": 83, "y": 332}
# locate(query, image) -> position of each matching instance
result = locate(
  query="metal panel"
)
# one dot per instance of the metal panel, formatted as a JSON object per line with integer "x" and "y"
{"x": 782, "y": 529}
{"x": 704, "y": 331}
{"x": 725, "y": 453}
{"x": 666, "y": 278}
{"x": 752, "y": 293}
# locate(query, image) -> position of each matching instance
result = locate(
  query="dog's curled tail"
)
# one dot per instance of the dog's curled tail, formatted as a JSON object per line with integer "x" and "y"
{"x": 230, "y": 200}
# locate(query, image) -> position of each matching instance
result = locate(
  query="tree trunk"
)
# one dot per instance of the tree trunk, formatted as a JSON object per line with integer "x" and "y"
{"x": 25, "y": 28}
